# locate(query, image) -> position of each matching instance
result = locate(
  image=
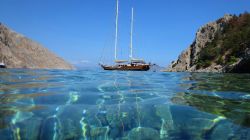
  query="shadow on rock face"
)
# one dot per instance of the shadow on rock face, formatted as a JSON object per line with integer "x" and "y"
{"x": 242, "y": 67}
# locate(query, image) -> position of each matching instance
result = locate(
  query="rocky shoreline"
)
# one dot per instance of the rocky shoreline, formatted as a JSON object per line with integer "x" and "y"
{"x": 208, "y": 54}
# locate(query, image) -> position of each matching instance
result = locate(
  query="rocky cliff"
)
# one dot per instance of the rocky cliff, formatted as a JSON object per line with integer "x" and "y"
{"x": 220, "y": 46}
{"x": 17, "y": 51}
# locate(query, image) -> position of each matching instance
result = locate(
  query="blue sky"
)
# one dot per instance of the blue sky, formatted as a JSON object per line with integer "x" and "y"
{"x": 81, "y": 31}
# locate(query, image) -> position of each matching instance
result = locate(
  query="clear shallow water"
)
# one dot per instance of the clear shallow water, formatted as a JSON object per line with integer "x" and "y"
{"x": 96, "y": 104}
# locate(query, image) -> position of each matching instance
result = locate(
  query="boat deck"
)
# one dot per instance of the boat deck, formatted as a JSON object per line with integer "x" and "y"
{"x": 128, "y": 67}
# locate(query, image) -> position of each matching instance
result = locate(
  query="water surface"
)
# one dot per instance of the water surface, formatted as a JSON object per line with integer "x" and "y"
{"x": 99, "y": 105}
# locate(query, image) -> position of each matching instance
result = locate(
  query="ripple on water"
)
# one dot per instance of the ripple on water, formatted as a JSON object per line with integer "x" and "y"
{"x": 95, "y": 104}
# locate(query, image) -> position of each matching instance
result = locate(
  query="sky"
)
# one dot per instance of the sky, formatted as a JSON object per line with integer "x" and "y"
{"x": 82, "y": 31}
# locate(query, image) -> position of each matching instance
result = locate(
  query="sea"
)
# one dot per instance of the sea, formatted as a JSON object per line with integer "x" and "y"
{"x": 92, "y": 104}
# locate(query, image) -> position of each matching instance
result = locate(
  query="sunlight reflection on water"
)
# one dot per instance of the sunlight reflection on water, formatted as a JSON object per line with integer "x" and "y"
{"x": 95, "y": 104}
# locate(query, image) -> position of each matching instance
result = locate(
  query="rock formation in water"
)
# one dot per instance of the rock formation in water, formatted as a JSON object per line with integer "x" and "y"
{"x": 17, "y": 51}
{"x": 220, "y": 46}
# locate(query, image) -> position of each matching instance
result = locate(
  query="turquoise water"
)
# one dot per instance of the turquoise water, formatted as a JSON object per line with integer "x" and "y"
{"x": 99, "y": 105}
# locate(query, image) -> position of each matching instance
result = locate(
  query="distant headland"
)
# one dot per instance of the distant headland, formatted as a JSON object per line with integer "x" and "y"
{"x": 220, "y": 46}
{"x": 17, "y": 51}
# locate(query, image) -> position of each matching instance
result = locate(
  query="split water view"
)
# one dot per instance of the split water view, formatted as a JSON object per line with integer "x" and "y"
{"x": 96, "y": 104}
{"x": 124, "y": 70}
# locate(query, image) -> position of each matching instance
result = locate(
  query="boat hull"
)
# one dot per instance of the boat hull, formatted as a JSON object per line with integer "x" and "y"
{"x": 144, "y": 67}
{"x": 2, "y": 66}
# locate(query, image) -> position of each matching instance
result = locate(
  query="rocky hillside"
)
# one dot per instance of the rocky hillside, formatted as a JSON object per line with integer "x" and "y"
{"x": 220, "y": 46}
{"x": 18, "y": 51}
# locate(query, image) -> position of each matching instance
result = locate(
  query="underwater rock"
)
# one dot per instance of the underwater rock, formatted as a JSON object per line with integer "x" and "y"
{"x": 190, "y": 123}
{"x": 116, "y": 128}
{"x": 164, "y": 112}
{"x": 29, "y": 129}
{"x": 179, "y": 99}
{"x": 101, "y": 116}
{"x": 99, "y": 132}
{"x": 121, "y": 120}
{"x": 222, "y": 132}
{"x": 196, "y": 128}
{"x": 143, "y": 133}
{"x": 5, "y": 134}
{"x": 241, "y": 134}
{"x": 149, "y": 119}
{"x": 49, "y": 129}
{"x": 5, "y": 112}
{"x": 3, "y": 123}
{"x": 70, "y": 129}
{"x": 21, "y": 116}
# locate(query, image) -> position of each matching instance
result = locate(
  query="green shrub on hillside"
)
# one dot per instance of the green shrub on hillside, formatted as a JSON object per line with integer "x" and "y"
{"x": 232, "y": 60}
{"x": 230, "y": 43}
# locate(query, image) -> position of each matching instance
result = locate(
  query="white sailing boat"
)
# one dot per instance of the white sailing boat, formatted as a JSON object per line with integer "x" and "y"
{"x": 2, "y": 65}
{"x": 133, "y": 64}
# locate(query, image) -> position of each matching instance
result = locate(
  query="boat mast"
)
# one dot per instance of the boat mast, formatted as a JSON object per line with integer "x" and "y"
{"x": 116, "y": 27}
{"x": 131, "y": 34}
{"x": 2, "y": 61}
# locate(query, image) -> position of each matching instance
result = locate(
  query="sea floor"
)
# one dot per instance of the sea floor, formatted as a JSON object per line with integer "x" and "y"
{"x": 106, "y": 105}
